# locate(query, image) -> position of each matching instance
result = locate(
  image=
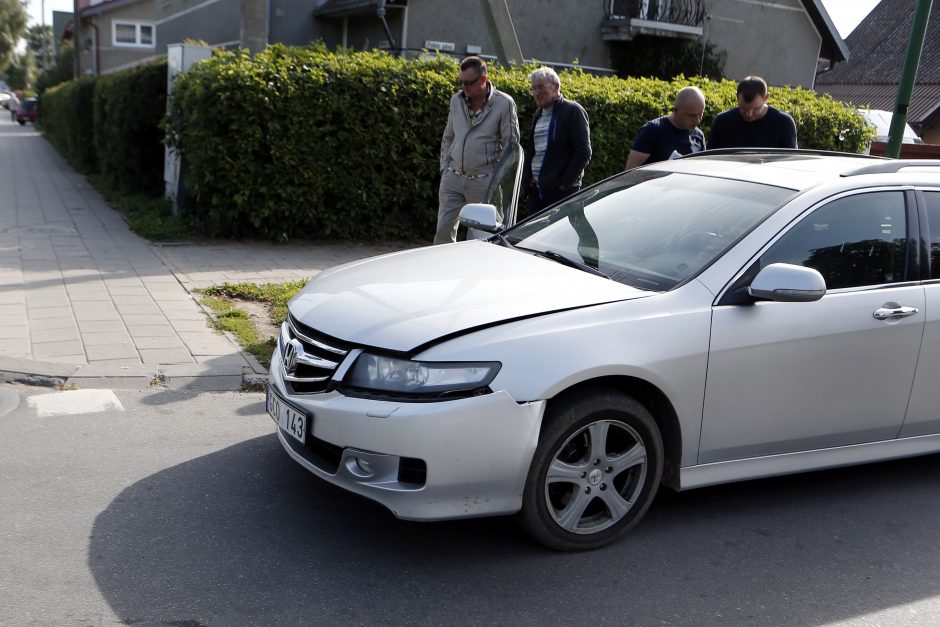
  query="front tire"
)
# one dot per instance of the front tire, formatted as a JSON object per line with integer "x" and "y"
{"x": 595, "y": 471}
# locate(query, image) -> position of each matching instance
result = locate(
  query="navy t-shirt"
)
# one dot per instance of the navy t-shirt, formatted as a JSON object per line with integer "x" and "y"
{"x": 775, "y": 130}
{"x": 659, "y": 138}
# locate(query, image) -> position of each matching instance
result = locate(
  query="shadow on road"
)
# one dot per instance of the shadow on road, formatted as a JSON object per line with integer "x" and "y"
{"x": 244, "y": 535}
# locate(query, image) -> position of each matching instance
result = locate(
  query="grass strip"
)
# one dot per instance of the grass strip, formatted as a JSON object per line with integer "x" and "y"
{"x": 222, "y": 300}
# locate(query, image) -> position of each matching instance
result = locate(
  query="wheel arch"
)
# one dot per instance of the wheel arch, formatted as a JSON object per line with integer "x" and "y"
{"x": 656, "y": 402}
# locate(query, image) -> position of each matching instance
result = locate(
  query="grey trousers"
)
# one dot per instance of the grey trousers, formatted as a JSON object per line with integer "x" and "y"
{"x": 455, "y": 192}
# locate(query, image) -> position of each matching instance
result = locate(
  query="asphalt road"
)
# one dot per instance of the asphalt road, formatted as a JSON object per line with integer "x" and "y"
{"x": 174, "y": 508}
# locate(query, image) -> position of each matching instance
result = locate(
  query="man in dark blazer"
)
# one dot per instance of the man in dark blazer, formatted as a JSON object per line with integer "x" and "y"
{"x": 559, "y": 143}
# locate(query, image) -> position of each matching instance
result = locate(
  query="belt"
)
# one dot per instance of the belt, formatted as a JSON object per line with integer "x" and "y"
{"x": 467, "y": 176}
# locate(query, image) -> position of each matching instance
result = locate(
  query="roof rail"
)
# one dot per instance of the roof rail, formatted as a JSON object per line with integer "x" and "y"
{"x": 777, "y": 151}
{"x": 892, "y": 166}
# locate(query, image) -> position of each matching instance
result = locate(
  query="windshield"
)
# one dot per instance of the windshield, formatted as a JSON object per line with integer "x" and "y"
{"x": 650, "y": 230}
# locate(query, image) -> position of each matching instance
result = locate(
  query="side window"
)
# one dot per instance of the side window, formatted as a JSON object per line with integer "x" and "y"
{"x": 933, "y": 224}
{"x": 856, "y": 240}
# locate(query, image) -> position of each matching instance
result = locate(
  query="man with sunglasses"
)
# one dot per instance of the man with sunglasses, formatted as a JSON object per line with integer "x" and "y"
{"x": 481, "y": 122}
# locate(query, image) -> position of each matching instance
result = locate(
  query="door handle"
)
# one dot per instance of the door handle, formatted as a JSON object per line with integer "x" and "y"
{"x": 884, "y": 313}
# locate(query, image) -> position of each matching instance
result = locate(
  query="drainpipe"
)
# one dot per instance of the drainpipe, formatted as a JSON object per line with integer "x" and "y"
{"x": 380, "y": 11}
{"x": 504, "y": 32}
{"x": 97, "y": 48}
{"x": 906, "y": 87}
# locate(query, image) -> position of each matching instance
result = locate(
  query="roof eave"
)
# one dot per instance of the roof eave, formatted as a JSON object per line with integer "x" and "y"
{"x": 828, "y": 31}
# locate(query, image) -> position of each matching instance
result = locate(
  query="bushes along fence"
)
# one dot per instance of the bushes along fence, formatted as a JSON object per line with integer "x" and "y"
{"x": 307, "y": 143}
{"x": 110, "y": 125}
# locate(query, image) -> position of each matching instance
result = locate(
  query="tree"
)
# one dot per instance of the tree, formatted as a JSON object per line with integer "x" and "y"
{"x": 62, "y": 69}
{"x": 39, "y": 43}
{"x": 21, "y": 73}
{"x": 12, "y": 28}
{"x": 664, "y": 58}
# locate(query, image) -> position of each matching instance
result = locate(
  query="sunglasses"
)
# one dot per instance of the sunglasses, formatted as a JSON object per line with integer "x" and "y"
{"x": 469, "y": 83}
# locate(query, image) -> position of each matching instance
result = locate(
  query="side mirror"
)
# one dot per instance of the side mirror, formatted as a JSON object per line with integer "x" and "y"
{"x": 480, "y": 216}
{"x": 787, "y": 283}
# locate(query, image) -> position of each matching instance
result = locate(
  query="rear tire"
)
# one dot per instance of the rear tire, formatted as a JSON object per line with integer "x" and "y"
{"x": 595, "y": 471}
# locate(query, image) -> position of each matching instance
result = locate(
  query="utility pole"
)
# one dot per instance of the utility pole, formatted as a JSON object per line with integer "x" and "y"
{"x": 76, "y": 37}
{"x": 45, "y": 40}
{"x": 906, "y": 87}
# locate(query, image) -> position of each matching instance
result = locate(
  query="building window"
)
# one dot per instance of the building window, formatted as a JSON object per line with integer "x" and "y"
{"x": 133, "y": 34}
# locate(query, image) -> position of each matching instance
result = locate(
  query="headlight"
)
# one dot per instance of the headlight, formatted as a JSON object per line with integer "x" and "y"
{"x": 378, "y": 373}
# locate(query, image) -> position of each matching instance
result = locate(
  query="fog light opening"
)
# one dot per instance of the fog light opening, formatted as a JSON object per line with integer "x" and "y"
{"x": 359, "y": 467}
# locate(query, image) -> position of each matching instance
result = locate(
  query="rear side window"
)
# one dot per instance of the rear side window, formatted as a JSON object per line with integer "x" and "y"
{"x": 933, "y": 224}
{"x": 854, "y": 241}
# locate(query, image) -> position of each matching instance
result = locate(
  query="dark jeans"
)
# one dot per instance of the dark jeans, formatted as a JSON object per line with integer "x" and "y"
{"x": 538, "y": 201}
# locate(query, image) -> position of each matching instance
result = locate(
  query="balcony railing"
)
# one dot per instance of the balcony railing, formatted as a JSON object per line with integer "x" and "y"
{"x": 683, "y": 12}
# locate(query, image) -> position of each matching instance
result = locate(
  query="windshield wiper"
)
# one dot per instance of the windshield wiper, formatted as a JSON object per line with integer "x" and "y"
{"x": 567, "y": 261}
{"x": 502, "y": 239}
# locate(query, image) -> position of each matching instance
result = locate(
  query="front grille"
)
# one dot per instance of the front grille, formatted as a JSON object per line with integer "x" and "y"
{"x": 312, "y": 366}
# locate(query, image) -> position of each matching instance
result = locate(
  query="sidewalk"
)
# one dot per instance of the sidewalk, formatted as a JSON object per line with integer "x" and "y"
{"x": 84, "y": 301}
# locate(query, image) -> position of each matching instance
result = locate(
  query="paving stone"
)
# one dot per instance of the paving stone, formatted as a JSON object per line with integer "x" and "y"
{"x": 203, "y": 344}
{"x": 158, "y": 342}
{"x": 146, "y": 319}
{"x": 129, "y": 290}
{"x": 56, "y": 335}
{"x": 192, "y": 326}
{"x": 111, "y": 327}
{"x": 94, "y": 310}
{"x": 101, "y": 338}
{"x": 13, "y": 309}
{"x": 138, "y": 309}
{"x": 41, "y": 313}
{"x": 67, "y": 359}
{"x": 57, "y": 349}
{"x": 45, "y": 324}
{"x": 166, "y": 356}
{"x": 152, "y": 330}
{"x": 110, "y": 351}
{"x": 36, "y": 301}
{"x": 132, "y": 299}
{"x": 94, "y": 295}
{"x": 14, "y": 332}
{"x": 15, "y": 347}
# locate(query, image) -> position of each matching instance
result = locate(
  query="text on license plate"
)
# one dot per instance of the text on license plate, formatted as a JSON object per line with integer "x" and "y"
{"x": 286, "y": 417}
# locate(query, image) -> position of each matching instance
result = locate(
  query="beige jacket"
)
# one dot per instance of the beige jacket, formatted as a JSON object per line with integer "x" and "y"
{"x": 476, "y": 149}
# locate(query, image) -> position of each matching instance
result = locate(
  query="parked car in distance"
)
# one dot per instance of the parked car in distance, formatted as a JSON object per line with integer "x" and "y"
{"x": 724, "y": 316}
{"x": 28, "y": 111}
{"x": 881, "y": 120}
{"x": 5, "y": 100}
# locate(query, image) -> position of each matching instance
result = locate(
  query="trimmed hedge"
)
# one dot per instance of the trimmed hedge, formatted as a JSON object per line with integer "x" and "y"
{"x": 302, "y": 143}
{"x": 128, "y": 139}
{"x": 110, "y": 125}
{"x": 66, "y": 117}
{"x": 307, "y": 143}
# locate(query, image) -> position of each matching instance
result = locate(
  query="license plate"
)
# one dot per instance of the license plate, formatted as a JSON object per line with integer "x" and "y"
{"x": 291, "y": 420}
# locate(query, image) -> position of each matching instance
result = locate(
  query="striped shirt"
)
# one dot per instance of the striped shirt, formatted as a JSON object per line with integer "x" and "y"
{"x": 541, "y": 141}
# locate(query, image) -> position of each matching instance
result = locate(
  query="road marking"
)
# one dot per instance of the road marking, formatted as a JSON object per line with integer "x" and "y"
{"x": 8, "y": 401}
{"x": 74, "y": 402}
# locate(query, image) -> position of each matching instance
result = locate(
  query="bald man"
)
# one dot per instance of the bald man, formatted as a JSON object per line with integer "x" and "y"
{"x": 672, "y": 135}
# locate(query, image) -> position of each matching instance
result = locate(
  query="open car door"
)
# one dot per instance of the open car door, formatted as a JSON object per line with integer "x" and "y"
{"x": 504, "y": 190}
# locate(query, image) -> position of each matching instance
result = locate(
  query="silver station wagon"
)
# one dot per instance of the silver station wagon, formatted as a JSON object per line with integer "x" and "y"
{"x": 726, "y": 316}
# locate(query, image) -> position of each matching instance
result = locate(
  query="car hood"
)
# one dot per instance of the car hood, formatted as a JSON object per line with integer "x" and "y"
{"x": 404, "y": 300}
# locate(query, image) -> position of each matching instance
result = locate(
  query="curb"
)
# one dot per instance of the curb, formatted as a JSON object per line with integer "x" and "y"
{"x": 233, "y": 373}
{"x": 35, "y": 373}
